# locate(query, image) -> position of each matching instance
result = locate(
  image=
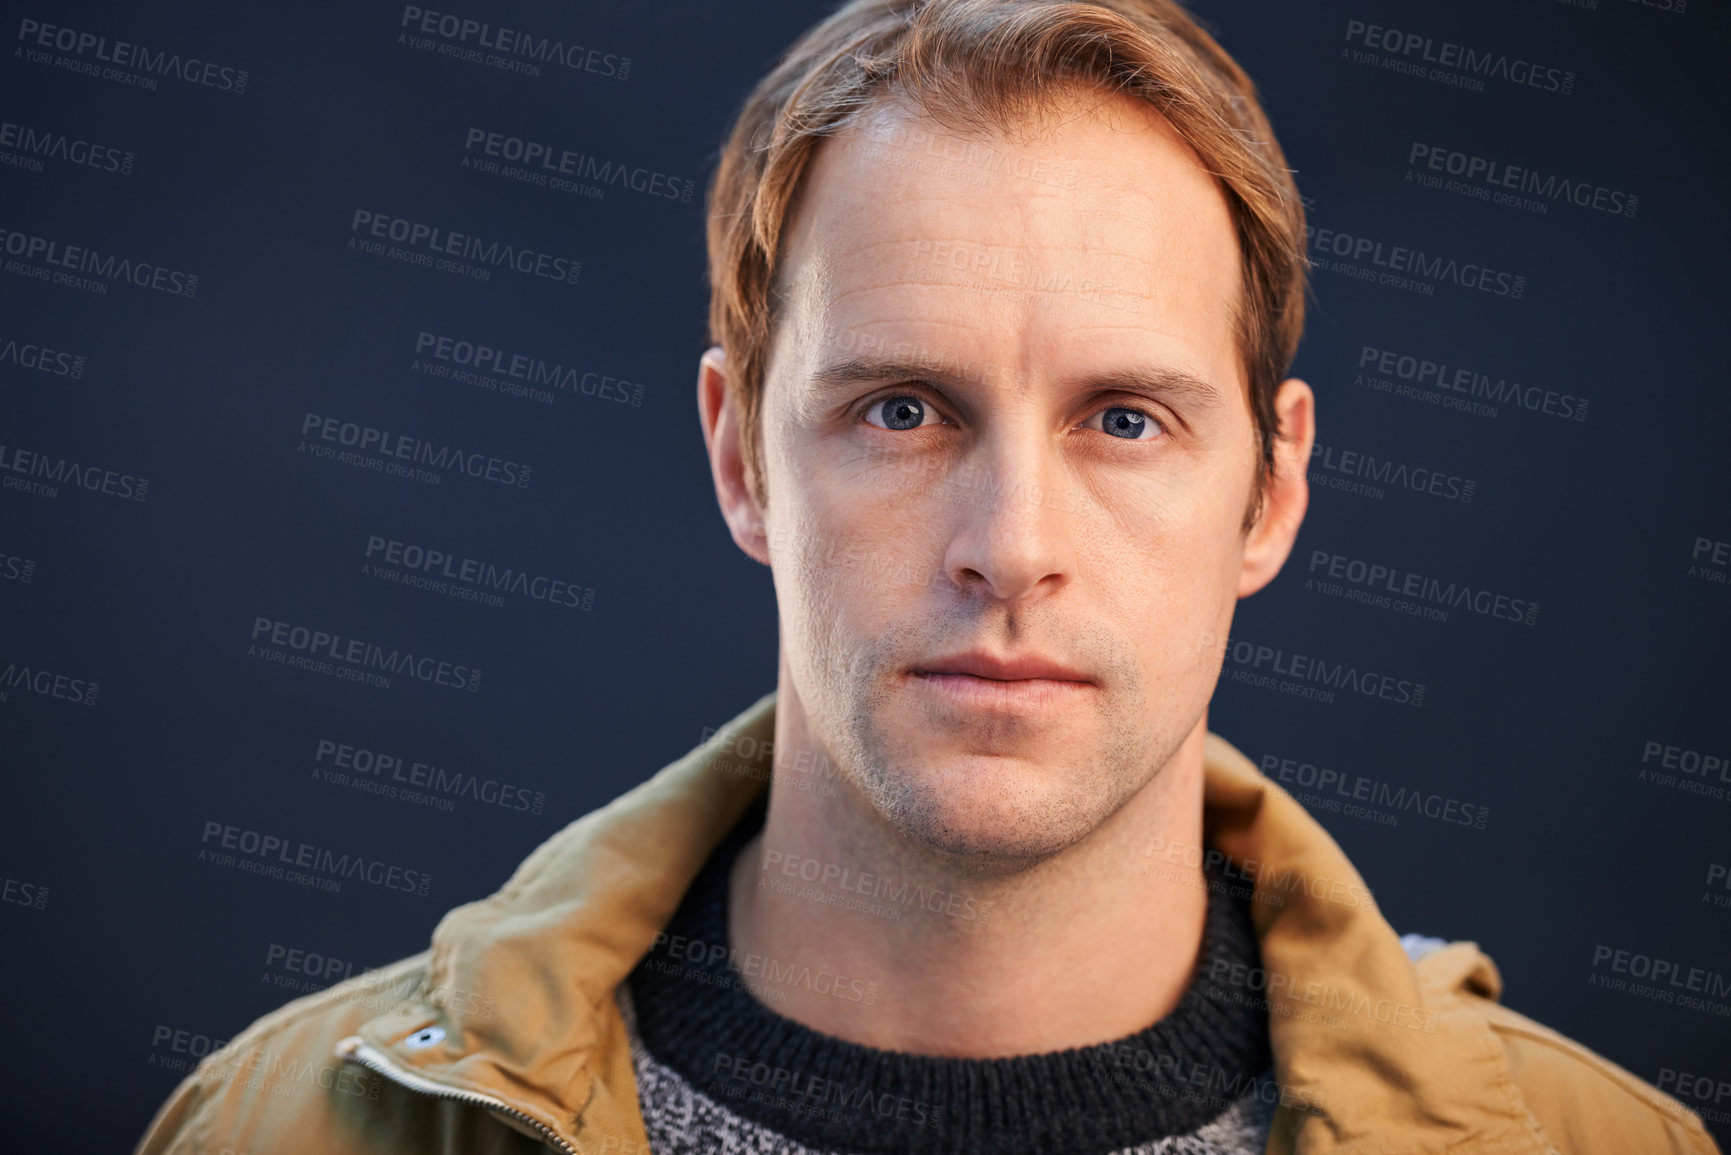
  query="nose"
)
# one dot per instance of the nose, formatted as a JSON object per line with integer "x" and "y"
{"x": 1012, "y": 510}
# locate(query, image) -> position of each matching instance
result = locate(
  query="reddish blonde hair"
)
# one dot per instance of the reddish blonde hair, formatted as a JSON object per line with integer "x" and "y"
{"x": 976, "y": 63}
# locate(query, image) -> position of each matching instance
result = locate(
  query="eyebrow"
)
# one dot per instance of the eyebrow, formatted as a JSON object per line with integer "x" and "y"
{"x": 1160, "y": 381}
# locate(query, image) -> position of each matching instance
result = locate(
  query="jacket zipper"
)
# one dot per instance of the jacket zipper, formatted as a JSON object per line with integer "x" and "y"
{"x": 357, "y": 1050}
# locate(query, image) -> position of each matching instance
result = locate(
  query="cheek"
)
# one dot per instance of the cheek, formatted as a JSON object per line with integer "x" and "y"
{"x": 867, "y": 495}
{"x": 852, "y": 554}
{"x": 1170, "y": 576}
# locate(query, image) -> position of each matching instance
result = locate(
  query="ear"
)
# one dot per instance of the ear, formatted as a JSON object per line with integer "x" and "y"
{"x": 722, "y": 430}
{"x": 1270, "y": 540}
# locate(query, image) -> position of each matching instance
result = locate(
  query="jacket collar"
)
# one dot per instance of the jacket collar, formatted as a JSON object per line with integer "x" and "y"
{"x": 1371, "y": 1051}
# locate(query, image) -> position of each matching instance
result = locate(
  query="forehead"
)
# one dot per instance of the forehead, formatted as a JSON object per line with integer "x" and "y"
{"x": 1087, "y": 232}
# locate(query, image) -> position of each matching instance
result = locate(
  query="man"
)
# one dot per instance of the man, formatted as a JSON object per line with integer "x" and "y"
{"x": 1004, "y": 293}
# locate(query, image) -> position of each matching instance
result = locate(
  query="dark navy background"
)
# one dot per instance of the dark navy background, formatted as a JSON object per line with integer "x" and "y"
{"x": 123, "y": 948}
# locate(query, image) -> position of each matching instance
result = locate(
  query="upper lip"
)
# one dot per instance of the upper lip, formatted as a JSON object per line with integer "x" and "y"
{"x": 1007, "y": 669}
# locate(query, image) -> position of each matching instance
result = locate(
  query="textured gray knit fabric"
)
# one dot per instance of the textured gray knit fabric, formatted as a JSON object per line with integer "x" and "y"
{"x": 683, "y": 1120}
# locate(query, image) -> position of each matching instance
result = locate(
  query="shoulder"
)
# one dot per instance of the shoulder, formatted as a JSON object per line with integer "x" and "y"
{"x": 1584, "y": 1101}
{"x": 279, "y": 1085}
{"x": 1580, "y": 1100}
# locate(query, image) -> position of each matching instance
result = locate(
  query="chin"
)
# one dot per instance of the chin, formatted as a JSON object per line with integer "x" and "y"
{"x": 990, "y": 812}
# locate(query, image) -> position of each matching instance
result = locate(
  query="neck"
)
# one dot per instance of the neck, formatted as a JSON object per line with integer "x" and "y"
{"x": 1089, "y": 945}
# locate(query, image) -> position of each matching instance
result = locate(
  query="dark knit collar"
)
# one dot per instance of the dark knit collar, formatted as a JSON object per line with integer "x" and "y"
{"x": 696, "y": 1016}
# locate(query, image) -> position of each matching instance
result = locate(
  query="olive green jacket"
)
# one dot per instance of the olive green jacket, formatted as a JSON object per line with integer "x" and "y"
{"x": 506, "y": 1034}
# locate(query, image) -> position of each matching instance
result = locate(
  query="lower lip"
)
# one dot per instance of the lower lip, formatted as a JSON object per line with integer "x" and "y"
{"x": 990, "y": 694}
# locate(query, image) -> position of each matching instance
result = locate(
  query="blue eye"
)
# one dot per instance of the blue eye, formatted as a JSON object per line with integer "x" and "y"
{"x": 1128, "y": 424}
{"x": 901, "y": 412}
{"x": 905, "y": 411}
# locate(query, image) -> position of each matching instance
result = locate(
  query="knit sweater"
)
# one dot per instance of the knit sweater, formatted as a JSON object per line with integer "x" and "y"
{"x": 720, "y": 1072}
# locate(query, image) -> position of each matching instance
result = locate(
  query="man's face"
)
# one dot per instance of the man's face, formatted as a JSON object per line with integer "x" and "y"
{"x": 1005, "y": 413}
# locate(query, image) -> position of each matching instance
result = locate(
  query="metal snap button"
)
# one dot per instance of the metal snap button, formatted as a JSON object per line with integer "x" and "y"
{"x": 424, "y": 1038}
